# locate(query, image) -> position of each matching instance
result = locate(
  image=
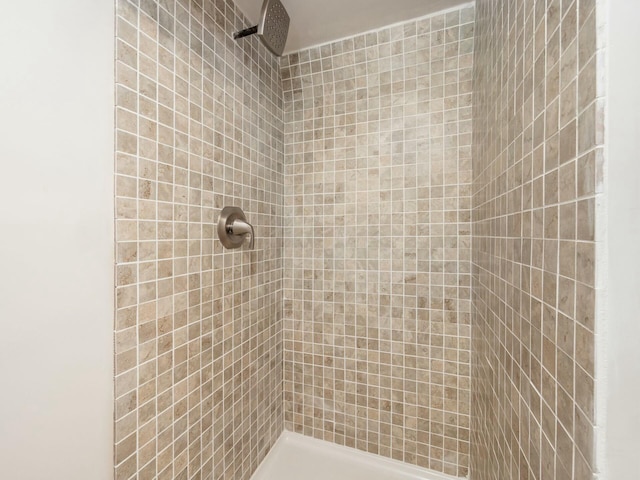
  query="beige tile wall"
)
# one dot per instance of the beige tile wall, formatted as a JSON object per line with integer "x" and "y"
{"x": 198, "y": 328}
{"x": 537, "y": 183}
{"x": 378, "y": 241}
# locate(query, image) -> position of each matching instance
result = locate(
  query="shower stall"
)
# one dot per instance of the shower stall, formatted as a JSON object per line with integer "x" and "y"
{"x": 407, "y": 252}
{"x": 401, "y": 182}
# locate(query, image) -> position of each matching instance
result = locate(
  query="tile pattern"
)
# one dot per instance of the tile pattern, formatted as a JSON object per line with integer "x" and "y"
{"x": 378, "y": 241}
{"x": 537, "y": 184}
{"x": 198, "y": 329}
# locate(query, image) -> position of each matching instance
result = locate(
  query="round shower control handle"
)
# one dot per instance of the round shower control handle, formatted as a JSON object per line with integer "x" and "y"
{"x": 233, "y": 228}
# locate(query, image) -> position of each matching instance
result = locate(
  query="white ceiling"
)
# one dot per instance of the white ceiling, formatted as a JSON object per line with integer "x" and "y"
{"x": 314, "y": 22}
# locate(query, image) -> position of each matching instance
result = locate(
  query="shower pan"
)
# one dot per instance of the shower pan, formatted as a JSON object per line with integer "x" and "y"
{"x": 295, "y": 457}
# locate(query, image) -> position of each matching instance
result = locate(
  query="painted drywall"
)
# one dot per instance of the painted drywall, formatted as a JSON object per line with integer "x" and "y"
{"x": 56, "y": 215}
{"x": 317, "y": 22}
{"x": 622, "y": 431}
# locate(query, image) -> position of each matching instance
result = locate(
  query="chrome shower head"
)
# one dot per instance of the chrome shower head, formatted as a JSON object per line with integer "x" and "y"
{"x": 273, "y": 27}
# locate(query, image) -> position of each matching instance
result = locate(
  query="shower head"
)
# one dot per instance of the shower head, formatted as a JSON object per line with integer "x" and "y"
{"x": 273, "y": 26}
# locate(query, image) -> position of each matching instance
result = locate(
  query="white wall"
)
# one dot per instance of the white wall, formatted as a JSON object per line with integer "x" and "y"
{"x": 622, "y": 429}
{"x": 56, "y": 239}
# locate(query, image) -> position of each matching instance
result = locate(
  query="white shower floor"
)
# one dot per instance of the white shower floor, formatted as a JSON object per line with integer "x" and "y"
{"x": 296, "y": 457}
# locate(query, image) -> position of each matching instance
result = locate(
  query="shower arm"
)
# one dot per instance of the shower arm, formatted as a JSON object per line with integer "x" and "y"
{"x": 246, "y": 32}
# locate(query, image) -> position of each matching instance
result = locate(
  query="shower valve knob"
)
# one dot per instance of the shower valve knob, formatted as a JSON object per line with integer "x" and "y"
{"x": 233, "y": 228}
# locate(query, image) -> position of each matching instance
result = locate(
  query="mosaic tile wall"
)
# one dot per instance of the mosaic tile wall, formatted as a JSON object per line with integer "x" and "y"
{"x": 537, "y": 185}
{"x": 378, "y": 241}
{"x": 198, "y": 328}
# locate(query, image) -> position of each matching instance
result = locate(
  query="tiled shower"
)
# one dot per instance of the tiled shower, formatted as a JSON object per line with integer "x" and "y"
{"x": 423, "y": 285}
